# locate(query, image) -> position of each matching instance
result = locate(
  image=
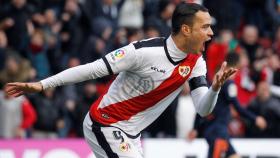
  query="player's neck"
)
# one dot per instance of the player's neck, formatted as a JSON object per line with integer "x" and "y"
{"x": 180, "y": 42}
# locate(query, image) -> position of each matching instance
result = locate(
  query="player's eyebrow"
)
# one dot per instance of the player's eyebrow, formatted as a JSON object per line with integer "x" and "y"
{"x": 206, "y": 25}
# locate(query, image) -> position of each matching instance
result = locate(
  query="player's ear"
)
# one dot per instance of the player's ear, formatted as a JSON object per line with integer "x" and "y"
{"x": 186, "y": 30}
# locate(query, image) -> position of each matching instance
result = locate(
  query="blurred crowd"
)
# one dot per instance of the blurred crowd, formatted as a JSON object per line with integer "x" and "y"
{"x": 39, "y": 38}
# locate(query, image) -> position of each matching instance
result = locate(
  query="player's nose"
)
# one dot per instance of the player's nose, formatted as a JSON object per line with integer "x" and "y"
{"x": 210, "y": 32}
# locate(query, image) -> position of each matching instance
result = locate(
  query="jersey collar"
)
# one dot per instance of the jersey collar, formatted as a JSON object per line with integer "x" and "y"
{"x": 174, "y": 55}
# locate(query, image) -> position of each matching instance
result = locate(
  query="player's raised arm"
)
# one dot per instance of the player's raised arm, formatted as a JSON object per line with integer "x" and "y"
{"x": 205, "y": 99}
{"x": 68, "y": 76}
{"x": 113, "y": 63}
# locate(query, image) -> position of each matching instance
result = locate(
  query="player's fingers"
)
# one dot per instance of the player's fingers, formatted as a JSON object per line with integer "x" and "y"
{"x": 11, "y": 92}
{"x": 230, "y": 72}
{"x": 9, "y": 89}
{"x": 233, "y": 71}
{"x": 14, "y": 84}
{"x": 218, "y": 77}
{"x": 17, "y": 94}
{"x": 10, "y": 86}
{"x": 224, "y": 75}
{"x": 223, "y": 67}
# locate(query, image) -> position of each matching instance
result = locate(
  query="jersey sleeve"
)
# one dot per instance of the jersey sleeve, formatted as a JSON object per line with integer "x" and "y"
{"x": 76, "y": 74}
{"x": 198, "y": 75}
{"x": 113, "y": 63}
{"x": 199, "y": 68}
{"x": 122, "y": 59}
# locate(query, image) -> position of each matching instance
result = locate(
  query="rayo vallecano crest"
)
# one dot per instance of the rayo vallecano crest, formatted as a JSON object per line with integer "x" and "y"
{"x": 184, "y": 70}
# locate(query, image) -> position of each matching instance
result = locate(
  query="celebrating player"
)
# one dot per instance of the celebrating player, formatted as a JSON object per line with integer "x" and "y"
{"x": 151, "y": 73}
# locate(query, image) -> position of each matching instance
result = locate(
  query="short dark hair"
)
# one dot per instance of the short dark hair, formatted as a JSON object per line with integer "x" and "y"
{"x": 184, "y": 14}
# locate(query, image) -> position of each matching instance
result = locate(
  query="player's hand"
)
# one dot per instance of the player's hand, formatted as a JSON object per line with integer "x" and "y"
{"x": 16, "y": 89}
{"x": 192, "y": 135}
{"x": 221, "y": 76}
{"x": 261, "y": 123}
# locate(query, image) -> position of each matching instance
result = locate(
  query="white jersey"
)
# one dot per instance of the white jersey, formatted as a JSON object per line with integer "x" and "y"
{"x": 151, "y": 73}
{"x": 148, "y": 81}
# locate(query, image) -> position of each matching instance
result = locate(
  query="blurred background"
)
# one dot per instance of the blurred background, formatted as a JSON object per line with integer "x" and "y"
{"x": 39, "y": 38}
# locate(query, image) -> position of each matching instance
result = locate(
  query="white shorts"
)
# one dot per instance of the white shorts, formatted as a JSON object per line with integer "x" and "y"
{"x": 111, "y": 142}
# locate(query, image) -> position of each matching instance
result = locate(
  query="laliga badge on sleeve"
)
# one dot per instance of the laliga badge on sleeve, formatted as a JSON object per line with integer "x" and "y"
{"x": 119, "y": 53}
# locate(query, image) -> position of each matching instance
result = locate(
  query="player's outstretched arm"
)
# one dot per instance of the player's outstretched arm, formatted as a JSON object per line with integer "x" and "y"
{"x": 204, "y": 100}
{"x": 16, "y": 89}
{"x": 221, "y": 76}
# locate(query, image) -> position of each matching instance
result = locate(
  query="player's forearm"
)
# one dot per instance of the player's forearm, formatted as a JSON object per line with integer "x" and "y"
{"x": 76, "y": 74}
{"x": 204, "y": 100}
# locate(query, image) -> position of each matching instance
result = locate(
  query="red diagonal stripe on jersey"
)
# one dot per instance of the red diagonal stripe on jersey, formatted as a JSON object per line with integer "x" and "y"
{"x": 126, "y": 109}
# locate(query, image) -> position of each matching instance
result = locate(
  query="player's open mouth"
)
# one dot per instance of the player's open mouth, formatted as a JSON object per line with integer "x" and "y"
{"x": 203, "y": 47}
{"x": 203, "y": 44}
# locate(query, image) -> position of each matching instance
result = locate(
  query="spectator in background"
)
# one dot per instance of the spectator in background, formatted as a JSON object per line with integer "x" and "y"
{"x": 3, "y": 48}
{"x": 41, "y": 5}
{"x": 70, "y": 95}
{"x": 151, "y": 29}
{"x": 150, "y": 8}
{"x": 99, "y": 42}
{"x": 269, "y": 107}
{"x": 217, "y": 51}
{"x": 75, "y": 30}
{"x": 134, "y": 34}
{"x": 227, "y": 14}
{"x": 163, "y": 18}
{"x": 16, "y": 69}
{"x": 131, "y": 14}
{"x": 17, "y": 116}
{"x": 255, "y": 14}
{"x": 107, "y": 9}
{"x": 276, "y": 42}
{"x": 50, "y": 117}
{"x": 245, "y": 85}
{"x": 272, "y": 8}
{"x": 274, "y": 67}
{"x": 37, "y": 50}
{"x": 89, "y": 95}
{"x": 14, "y": 19}
{"x": 249, "y": 42}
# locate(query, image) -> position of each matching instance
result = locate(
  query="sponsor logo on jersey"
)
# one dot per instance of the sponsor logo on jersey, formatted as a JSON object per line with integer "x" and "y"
{"x": 124, "y": 147}
{"x": 184, "y": 70}
{"x": 157, "y": 69}
{"x": 119, "y": 53}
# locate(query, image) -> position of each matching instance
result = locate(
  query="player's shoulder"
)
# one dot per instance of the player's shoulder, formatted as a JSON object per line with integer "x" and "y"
{"x": 200, "y": 59}
{"x": 149, "y": 43}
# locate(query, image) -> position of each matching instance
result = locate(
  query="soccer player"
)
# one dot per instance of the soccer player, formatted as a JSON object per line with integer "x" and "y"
{"x": 151, "y": 73}
{"x": 215, "y": 126}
